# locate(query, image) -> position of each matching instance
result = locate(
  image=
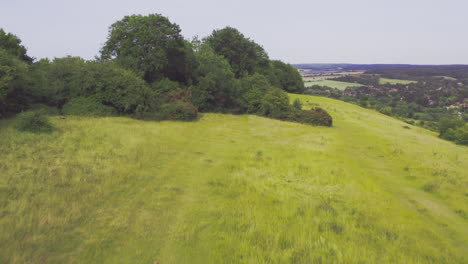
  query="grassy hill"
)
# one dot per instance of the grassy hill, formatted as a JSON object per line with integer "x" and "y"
{"x": 233, "y": 189}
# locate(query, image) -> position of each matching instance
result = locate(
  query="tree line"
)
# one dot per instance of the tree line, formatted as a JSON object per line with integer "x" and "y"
{"x": 147, "y": 70}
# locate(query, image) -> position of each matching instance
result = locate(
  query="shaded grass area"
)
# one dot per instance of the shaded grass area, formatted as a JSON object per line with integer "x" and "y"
{"x": 233, "y": 189}
{"x": 330, "y": 83}
{"x": 394, "y": 81}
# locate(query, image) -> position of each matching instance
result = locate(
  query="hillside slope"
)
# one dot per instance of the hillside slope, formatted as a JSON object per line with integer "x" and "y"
{"x": 233, "y": 189}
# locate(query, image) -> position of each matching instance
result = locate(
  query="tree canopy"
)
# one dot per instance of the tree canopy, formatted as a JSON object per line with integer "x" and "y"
{"x": 12, "y": 44}
{"x": 12, "y": 83}
{"x": 288, "y": 77}
{"x": 244, "y": 55}
{"x": 151, "y": 46}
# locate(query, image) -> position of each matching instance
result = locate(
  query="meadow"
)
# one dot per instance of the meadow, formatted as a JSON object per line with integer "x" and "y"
{"x": 330, "y": 83}
{"x": 394, "y": 81}
{"x": 233, "y": 189}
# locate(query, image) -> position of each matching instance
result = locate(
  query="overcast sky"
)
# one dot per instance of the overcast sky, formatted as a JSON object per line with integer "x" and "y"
{"x": 295, "y": 31}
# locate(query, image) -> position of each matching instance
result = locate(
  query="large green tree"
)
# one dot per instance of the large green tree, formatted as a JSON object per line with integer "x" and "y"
{"x": 12, "y": 44}
{"x": 216, "y": 85}
{"x": 244, "y": 55}
{"x": 13, "y": 73}
{"x": 151, "y": 46}
{"x": 288, "y": 78}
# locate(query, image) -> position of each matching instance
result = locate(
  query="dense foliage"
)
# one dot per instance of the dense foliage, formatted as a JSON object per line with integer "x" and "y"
{"x": 244, "y": 55}
{"x": 287, "y": 77}
{"x": 151, "y": 46}
{"x": 13, "y": 73}
{"x": 87, "y": 106}
{"x": 216, "y": 85}
{"x": 35, "y": 122}
{"x": 72, "y": 77}
{"x": 454, "y": 129}
{"x": 12, "y": 45}
{"x": 149, "y": 71}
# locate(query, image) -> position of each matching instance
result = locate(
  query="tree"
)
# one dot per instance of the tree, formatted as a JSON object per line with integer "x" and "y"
{"x": 13, "y": 71}
{"x": 287, "y": 77}
{"x": 12, "y": 44}
{"x": 216, "y": 84}
{"x": 445, "y": 124}
{"x": 244, "y": 55}
{"x": 461, "y": 135}
{"x": 252, "y": 89}
{"x": 151, "y": 46}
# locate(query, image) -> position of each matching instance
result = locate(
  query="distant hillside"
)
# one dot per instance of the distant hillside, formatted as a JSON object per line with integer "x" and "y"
{"x": 233, "y": 189}
{"x": 411, "y": 72}
{"x": 348, "y": 67}
{"x": 396, "y": 71}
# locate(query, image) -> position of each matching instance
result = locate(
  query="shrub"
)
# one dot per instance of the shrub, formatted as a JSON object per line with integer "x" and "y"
{"x": 250, "y": 93}
{"x": 58, "y": 82}
{"x": 461, "y": 135}
{"x": 178, "y": 110}
{"x": 87, "y": 106}
{"x": 297, "y": 104}
{"x": 449, "y": 123}
{"x": 35, "y": 122}
{"x": 149, "y": 102}
{"x": 431, "y": 187}
{"x": 315, "y": 116}
{"x": 386, "y": 110}
{"x": 275, "y": 104}
{"x": 45, "y": 109}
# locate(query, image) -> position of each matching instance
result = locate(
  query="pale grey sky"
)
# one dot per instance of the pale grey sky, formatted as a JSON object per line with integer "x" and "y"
{"x": 295, "y": 31}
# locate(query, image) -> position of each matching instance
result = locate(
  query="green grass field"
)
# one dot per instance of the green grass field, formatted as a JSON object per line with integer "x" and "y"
{"x": 233, "y": 189}
{"x": 394, "y": 81}
{"x": 330, "y": 83}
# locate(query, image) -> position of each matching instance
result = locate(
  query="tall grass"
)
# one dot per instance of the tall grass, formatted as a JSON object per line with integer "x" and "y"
{"x": 233, "y": 189}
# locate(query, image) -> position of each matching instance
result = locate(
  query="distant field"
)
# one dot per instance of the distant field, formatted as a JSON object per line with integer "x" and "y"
{"x": 329, "y": 76}
{"x": 330, "y": 83}
{"x": 447, "y": 78}
{"x": 394, "y": 81}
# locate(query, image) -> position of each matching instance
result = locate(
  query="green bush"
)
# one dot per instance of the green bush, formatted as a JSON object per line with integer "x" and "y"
{"x": 315, "y": 116}
{"x": 250, "y": 93}
{"x": 461, "y": 135}
{"x": 178, "y": 110}
{"x": 297, "y": 104}
{"x": 454, "y": 129}
{"x": 45, "y": 109}
{"x": 275, "y": 104}
{"x": 58, "y": 82}
{"x": 35, "y": 122}
{"x": 87, "y": 106}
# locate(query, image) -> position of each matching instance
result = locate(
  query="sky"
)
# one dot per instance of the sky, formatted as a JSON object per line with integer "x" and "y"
{"x": 294, "y": 31}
